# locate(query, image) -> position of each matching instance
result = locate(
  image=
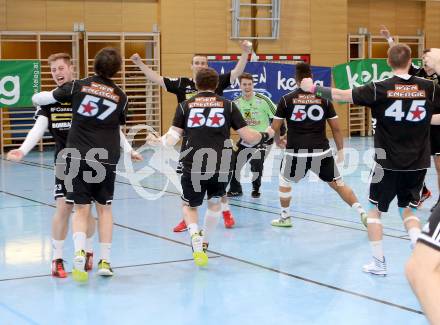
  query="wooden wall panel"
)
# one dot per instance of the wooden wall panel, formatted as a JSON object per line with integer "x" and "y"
{"x": 139, "y": 16}
{"x": 28, "y": 15}
{"x": 2, "y": 14}
{"x": 432, "y": 24}
{"x": 98, "y": 20}
{"x": 177, "y": 26}
{"x": 62, "y": 14}
{"x": 401, "y": 17}
{"x": 210, "y": 34}
{"x": 294, "y": 32}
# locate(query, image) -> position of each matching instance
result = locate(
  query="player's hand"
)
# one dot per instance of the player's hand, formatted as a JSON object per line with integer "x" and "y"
{"x": 281, "y": 142}
{"x": 136, "y": 58}
{"x": 385, "y": 32}
{"x": 15, "y": 155}
{"x": 431, "y": 59}
{"x": 136, "y": 156}
{"x": 153, "y": 140}
{"x": 307, "y": 84}
{"x": 270, "y": 131}
{"x": 246, "y": 46}
{"x": 340, "y": 156}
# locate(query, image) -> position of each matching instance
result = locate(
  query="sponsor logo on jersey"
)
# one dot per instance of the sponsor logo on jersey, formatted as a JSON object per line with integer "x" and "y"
{"x": 61, "y": 109}
{"x": 101, "y": 90}
{"x": 61, "y": 116}
{"x": 61, "y": 125}
{"x": 205, "y": 102}
{"x": 406, "y": 91}
{"x": 307, "y": 99}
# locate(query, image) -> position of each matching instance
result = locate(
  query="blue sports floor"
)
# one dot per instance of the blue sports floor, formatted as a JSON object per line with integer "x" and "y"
{"x": 257, "y": 274}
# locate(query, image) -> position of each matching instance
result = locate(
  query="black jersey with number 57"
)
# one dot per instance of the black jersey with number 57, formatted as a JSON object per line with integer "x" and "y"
{"x": 403, "y": 107}
{"x": 98, "y": 110}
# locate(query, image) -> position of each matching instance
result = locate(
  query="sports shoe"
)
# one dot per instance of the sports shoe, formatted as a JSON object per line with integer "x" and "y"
{"x": 104, "y": 268}
{"x": 364, "y": 217}
{"x": 376, "y": 267}
{"x": 255, "y": 194}
{"x": 234, "y": 194}
{"x": 426, "y": 194}
{"x": 282, "y": 222}
{"x": 200, "y": 257}
{"x": 78, "y": 272}
{"x": 58, "y": 268}
{"x": 89, "y": 261}
{"x": 228, "y": 219}
{"x": 180, "y": 227}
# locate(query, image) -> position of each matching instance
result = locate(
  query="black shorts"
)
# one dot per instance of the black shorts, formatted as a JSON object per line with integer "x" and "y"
{"x": 431, "y": 231}
{"x": 194, "y": 190}
{"x": 435, "y": 140}
{"x": 386, "y": 184}
{"x": 294, "y": 168}
{"x": 100, "y": 189}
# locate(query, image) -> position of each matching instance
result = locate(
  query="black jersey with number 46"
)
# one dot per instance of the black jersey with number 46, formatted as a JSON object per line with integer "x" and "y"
{"x": 99, "y": 108}
{"x": 403, "y": 107}
{"x": 206, "y": 120}
{"x": 306, "y": 115}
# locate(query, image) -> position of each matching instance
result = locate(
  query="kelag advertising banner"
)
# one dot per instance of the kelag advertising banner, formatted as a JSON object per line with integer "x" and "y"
{"x": 19, "y": 80}
{"x": 271, "y": 79}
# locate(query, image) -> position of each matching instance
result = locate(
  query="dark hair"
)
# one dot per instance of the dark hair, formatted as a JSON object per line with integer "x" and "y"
{"x": 206, "y": 79}
{"x": 245, "y": 75}
{"x": 108, "y": 62}
{"x": 399, "y": 56}
{"x": 302, "y": 70}
{"x": 426, "y": 51}
{"x": 57, "y": 56}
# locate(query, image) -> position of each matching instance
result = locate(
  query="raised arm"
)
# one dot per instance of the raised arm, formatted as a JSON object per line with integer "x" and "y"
{"x": 387, "y": 35}
{"x": 246, "y": 49}
{"x": 32, "y": 138}
{"x": 151, "y": 75}
{"x": 43, "y": 98}
{"x": 329, "y": 93}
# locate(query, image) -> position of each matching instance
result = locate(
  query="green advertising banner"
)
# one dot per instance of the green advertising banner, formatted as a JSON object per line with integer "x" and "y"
{"x": 19, "y": 80}
{"x": 359, "y": 72}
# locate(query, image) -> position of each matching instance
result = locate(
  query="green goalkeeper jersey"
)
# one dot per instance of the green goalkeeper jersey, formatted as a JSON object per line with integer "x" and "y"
{"x": 257, "y": 112}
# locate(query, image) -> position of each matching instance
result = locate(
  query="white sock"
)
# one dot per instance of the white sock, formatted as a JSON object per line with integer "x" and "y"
{"x": 105, "y": 249}
{"x": 377, "y": 249}
{"x": 57, "y": 249}
{"x": 414, "y": 233}
{"x": 284, "y": 213}
{"x": 358, "y": 207}
{"x": 211, "y": 221}
{"x": 225, "y": 206}
{"x": 193, "y": 229}
{"x": 89, "y": 245}
{"x": 79, "y": 241}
